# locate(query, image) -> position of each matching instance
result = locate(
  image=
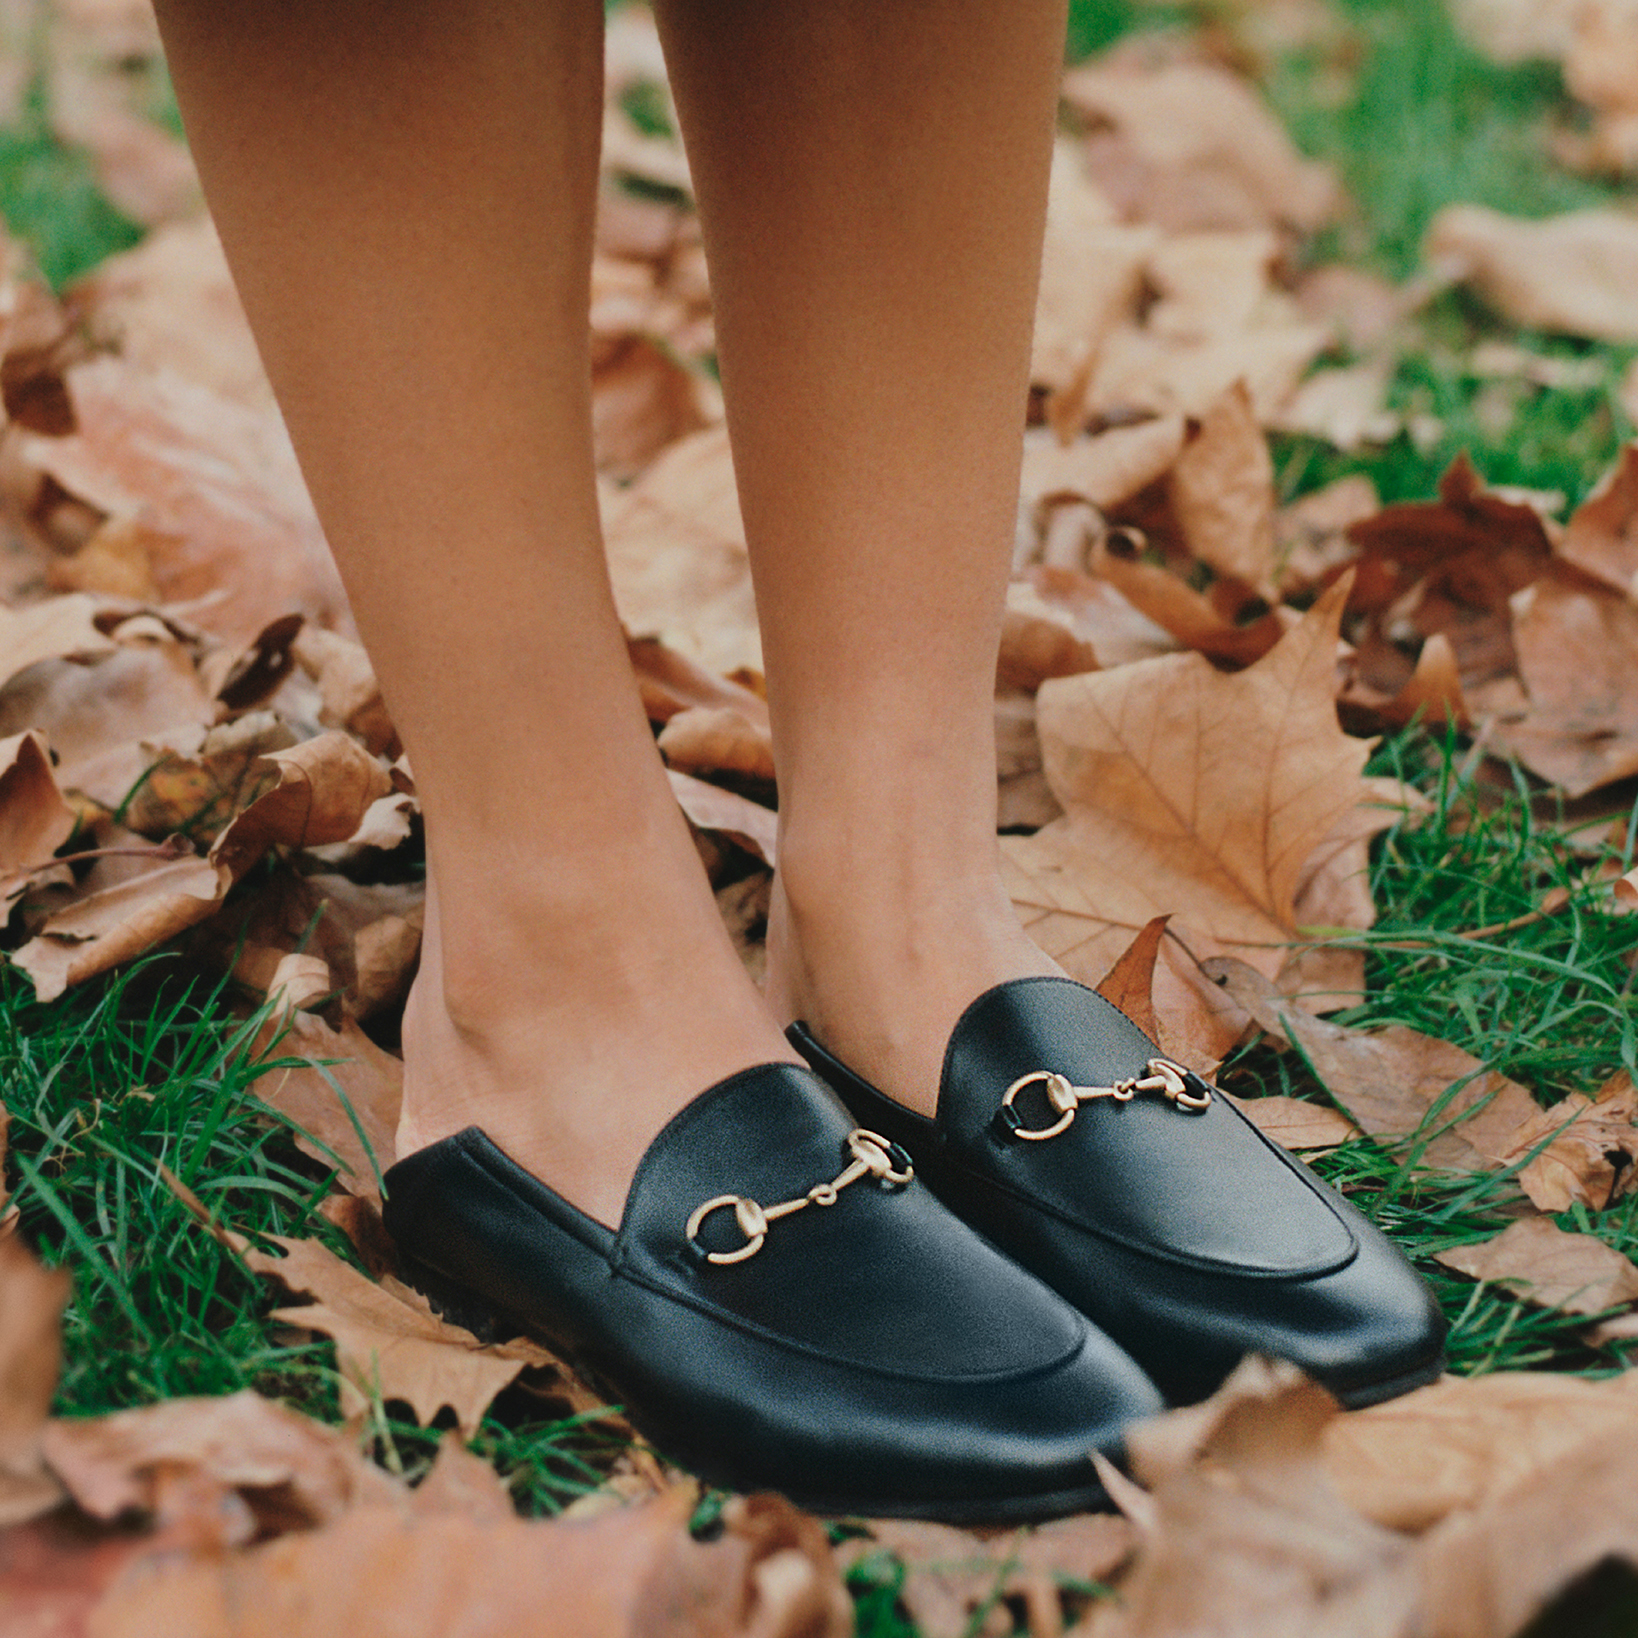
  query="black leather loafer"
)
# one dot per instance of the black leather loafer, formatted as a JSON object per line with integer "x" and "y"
{"x": 1151, "y": 1204}
{"x": 784, "y": 1308}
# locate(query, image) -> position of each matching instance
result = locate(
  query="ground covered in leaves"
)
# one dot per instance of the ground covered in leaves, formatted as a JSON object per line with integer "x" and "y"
{"x": 1328, "y": 510}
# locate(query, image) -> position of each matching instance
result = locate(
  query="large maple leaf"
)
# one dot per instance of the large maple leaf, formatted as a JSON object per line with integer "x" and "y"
{"x": 1190, "y": 793}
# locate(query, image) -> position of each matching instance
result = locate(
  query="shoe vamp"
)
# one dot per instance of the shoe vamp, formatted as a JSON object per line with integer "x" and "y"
{"x": 1202, "y": 1187}
{"x": 884, "y": 1277}
{"x": 892, "y": 1283}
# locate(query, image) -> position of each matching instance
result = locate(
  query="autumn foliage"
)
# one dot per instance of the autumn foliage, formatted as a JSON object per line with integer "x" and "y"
{"x": 194, "y": 755}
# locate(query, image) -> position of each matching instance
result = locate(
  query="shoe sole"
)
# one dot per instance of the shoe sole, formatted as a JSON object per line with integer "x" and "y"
{"x": 470, "y": 1312}
{"x": 1393, "y": 1387}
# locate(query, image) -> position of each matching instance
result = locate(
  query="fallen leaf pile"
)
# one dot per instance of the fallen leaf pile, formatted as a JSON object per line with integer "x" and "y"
{"x": 236, "y": 1518}
{"x": 1459, "y": 1510}
{"x": 194, "y": 755}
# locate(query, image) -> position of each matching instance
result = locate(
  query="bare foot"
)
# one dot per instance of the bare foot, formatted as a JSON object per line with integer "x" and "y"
{"x": 571, "y": 1024}
{"x": 881, "y": 959}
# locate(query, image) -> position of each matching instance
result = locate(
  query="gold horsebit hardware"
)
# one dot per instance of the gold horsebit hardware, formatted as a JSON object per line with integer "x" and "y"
{"x": 1162, "y": 1076}
{"x": 873, "y": 1156}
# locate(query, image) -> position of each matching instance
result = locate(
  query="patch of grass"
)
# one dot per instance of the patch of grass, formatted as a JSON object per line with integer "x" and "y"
{"x": 1550, "y": 1003}
{"x": 115, "y": 1081}
{"x": 50, "y": 200}
{"x": 104, "y": 1088}
{"x": 1557, "y": 437}
{"x": 1430, "y": 123}
{"x": 876, "y": 1583}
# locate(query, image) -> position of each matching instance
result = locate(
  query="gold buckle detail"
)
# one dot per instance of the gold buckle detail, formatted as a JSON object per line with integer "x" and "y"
{"x": 1162, "y": 1075}
{"x": 873, "y": 1156}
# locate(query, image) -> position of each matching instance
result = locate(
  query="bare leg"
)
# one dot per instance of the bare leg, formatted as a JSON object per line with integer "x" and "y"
{"x": 406, "y": 191}
{"x": 872, "y": 180}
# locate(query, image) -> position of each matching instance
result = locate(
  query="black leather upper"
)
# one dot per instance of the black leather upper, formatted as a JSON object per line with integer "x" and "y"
{"x": 1189, "y": 1237}
{"x": 875, "y": 1354}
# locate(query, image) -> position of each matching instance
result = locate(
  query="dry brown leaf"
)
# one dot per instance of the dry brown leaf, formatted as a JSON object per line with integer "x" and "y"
{"x": 1388, "y": 1080}
{"x": 643, "y": 400}
{"x": 323, "y": 789}
{"x": 1137, "y": 370}
{"x": 1210, "y": 284}
{"x": 386, "y": 823}
{"x": 676, "y": 549}
{"x": 1160, "y": 988}
{"x": 1249, "y": 1538}
{"x": 1105, "y": 469}
{"x": 1451, "y": 565}
{"x": 1601, "y": 63}
{"x": 1311, "y": 533}
{"x": 170, "y": 304}
{"x": 1190, "y": 146}
{"x": 100, "y": 69}
{"x": 216, "y": 480}
{"x": 1601, "y": 538}
{"x": 1577, "y": 646}
{"x": 1573, "y": 274}
{"x": 373, "y": 1084}
{"x": 1463, "y": 1442}
{"x": 717, "y": 739}
{"x": 55, "y": 1570}
{"x": 1551, "y": 1267}
{"x": 293, "y": 980}
{"x": 1591, "y": 1148}
{"x": 709, "y": 807}
{"x": 1489, "y": 1574}
{"x": 1362, "y": 308}
{"x": 1222, "y": 490}
{"x": 360, "y": 1221}
{"x": 238, "y": 1465}
{"x": 1334, "y": 891}
{"x": 1103, "y": 623}
{"x": 1129, "y": 984}
{"x": 117, "y": 560}
{"x": 1091, "y": 275}
{"x": 31, "y": 1305}
{"x": 1039, "y": 640}
{"x": 951, "y": 1575}
{"x": 630, "y": 228}
{"x": 1187, "y": 793}
{"x": 1508, "y": 31}
{"x": 98, "y": 716}
{"x": 423, "y": 1569}
{"x": 198, "y": 778}
{"x": 367, "y": 935}
{"x": 387, "y": 1347}
{"x": 1178, "y": 608}
{"x": 1346, "y": 406}
{"x": 1296, "y": 1123}
{"x": 386, "y": 955}
{"x": 671, "y": 682}
{"x": 346, "y": 681}
{"x": 34, "y": 819}
{"x": 108, "y": 928}
{"x": 1200, "y": 1023}
{"x": 61, "y": 627}
{"x": 1432, "y": 693}
{"x": 463, "y": 1483}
